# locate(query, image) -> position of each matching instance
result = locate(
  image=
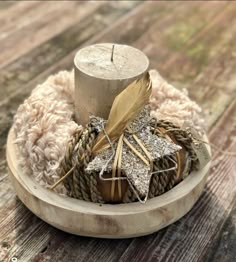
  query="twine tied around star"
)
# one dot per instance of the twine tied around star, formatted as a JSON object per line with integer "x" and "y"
{"x": 142, "y": 154}
{"x": 126, "y": 107}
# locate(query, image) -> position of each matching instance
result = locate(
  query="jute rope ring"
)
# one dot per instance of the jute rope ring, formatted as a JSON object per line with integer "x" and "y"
{"x": 166, "y": 173}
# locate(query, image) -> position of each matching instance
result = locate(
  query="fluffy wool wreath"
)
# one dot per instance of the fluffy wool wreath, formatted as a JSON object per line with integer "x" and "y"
{"x": 44, "y": 123}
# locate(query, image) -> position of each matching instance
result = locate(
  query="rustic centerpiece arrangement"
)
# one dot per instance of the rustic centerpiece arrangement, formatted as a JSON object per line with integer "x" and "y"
{"x": 116, "y": 153}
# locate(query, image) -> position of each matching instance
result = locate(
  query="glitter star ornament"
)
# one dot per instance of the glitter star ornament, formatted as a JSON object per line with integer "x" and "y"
{"x": 137, "y": 171}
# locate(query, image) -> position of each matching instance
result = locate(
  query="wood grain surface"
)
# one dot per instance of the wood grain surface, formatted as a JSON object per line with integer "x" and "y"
{"x": 192, "y": 44}
{"x": 105, "y": 221}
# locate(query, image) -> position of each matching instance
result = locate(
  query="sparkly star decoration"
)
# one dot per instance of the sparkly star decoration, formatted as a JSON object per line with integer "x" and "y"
{"x": 137, "y": 172}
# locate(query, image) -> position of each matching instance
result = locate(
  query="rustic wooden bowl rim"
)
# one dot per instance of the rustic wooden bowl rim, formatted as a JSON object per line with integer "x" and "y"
{"x": 38, "y": 199}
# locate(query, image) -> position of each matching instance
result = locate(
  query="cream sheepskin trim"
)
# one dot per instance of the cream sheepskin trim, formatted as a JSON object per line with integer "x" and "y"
{"x": 44, "y": 122}
{"x": 43, "y": 126}
{"x": 171, "y": 104}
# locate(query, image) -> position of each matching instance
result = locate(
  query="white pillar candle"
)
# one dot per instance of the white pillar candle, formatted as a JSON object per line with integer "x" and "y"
{"x": 102, "y": 71}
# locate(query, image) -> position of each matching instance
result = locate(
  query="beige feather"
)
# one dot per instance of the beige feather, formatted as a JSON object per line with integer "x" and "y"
{"x": 124, "y": 109}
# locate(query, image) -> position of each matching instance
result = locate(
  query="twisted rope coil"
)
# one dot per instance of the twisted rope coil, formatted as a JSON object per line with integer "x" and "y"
{"x": 85, "y": 186}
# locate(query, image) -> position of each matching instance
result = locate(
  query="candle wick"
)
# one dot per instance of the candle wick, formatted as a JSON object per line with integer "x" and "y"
{"x": 112, "y": 52}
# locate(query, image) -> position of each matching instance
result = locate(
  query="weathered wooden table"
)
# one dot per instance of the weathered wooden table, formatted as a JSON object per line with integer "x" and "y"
{"x": 193, "y": 45}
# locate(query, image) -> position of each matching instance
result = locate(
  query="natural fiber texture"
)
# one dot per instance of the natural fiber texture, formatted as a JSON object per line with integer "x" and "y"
{"x": 124, "y": 109}
{"x": 43, "y": 126}
{"x": 84, "y": 186}
{"x": 44, "y": 123}
{"x": 168, "y": 103}
{"x": 78, "y": 185}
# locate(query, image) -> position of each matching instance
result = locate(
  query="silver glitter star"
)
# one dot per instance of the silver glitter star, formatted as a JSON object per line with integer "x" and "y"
{"x": 137, "y": 172}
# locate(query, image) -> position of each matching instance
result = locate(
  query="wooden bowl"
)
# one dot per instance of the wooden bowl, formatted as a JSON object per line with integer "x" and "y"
{"x": 106, "y": 220}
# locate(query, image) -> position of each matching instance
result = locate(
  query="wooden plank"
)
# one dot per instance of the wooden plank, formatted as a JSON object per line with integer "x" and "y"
{"x": 39, "y": 25}
{"x": 140, "y": 247}
{"x": 214, "y": 86}
{"x": 198, "y": 61}
{"x": 19, "y": 73}
{"x": 189, "y": 238}
{"x": 152, "y": 55}
{"x": 135, "y": 17}
{"x": 12, "y": 242}
{"x": 45, "y": 241}
{"x": 226, "y": 84}
{"x": 178, "y": 36}
{"x": 10, "y": 77}
{"x": 6, "y": 4}
{"x": 7, "y": 119}
{"x": 18, "y": 15}
{"x": 14, "y": 14}
{"x": 7, "y": 112}
{"x": 15, "y": 240}
{"x": 75, "y": 246}
{"x": 223, "y": 248}
{"x": 66, "y": 63}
